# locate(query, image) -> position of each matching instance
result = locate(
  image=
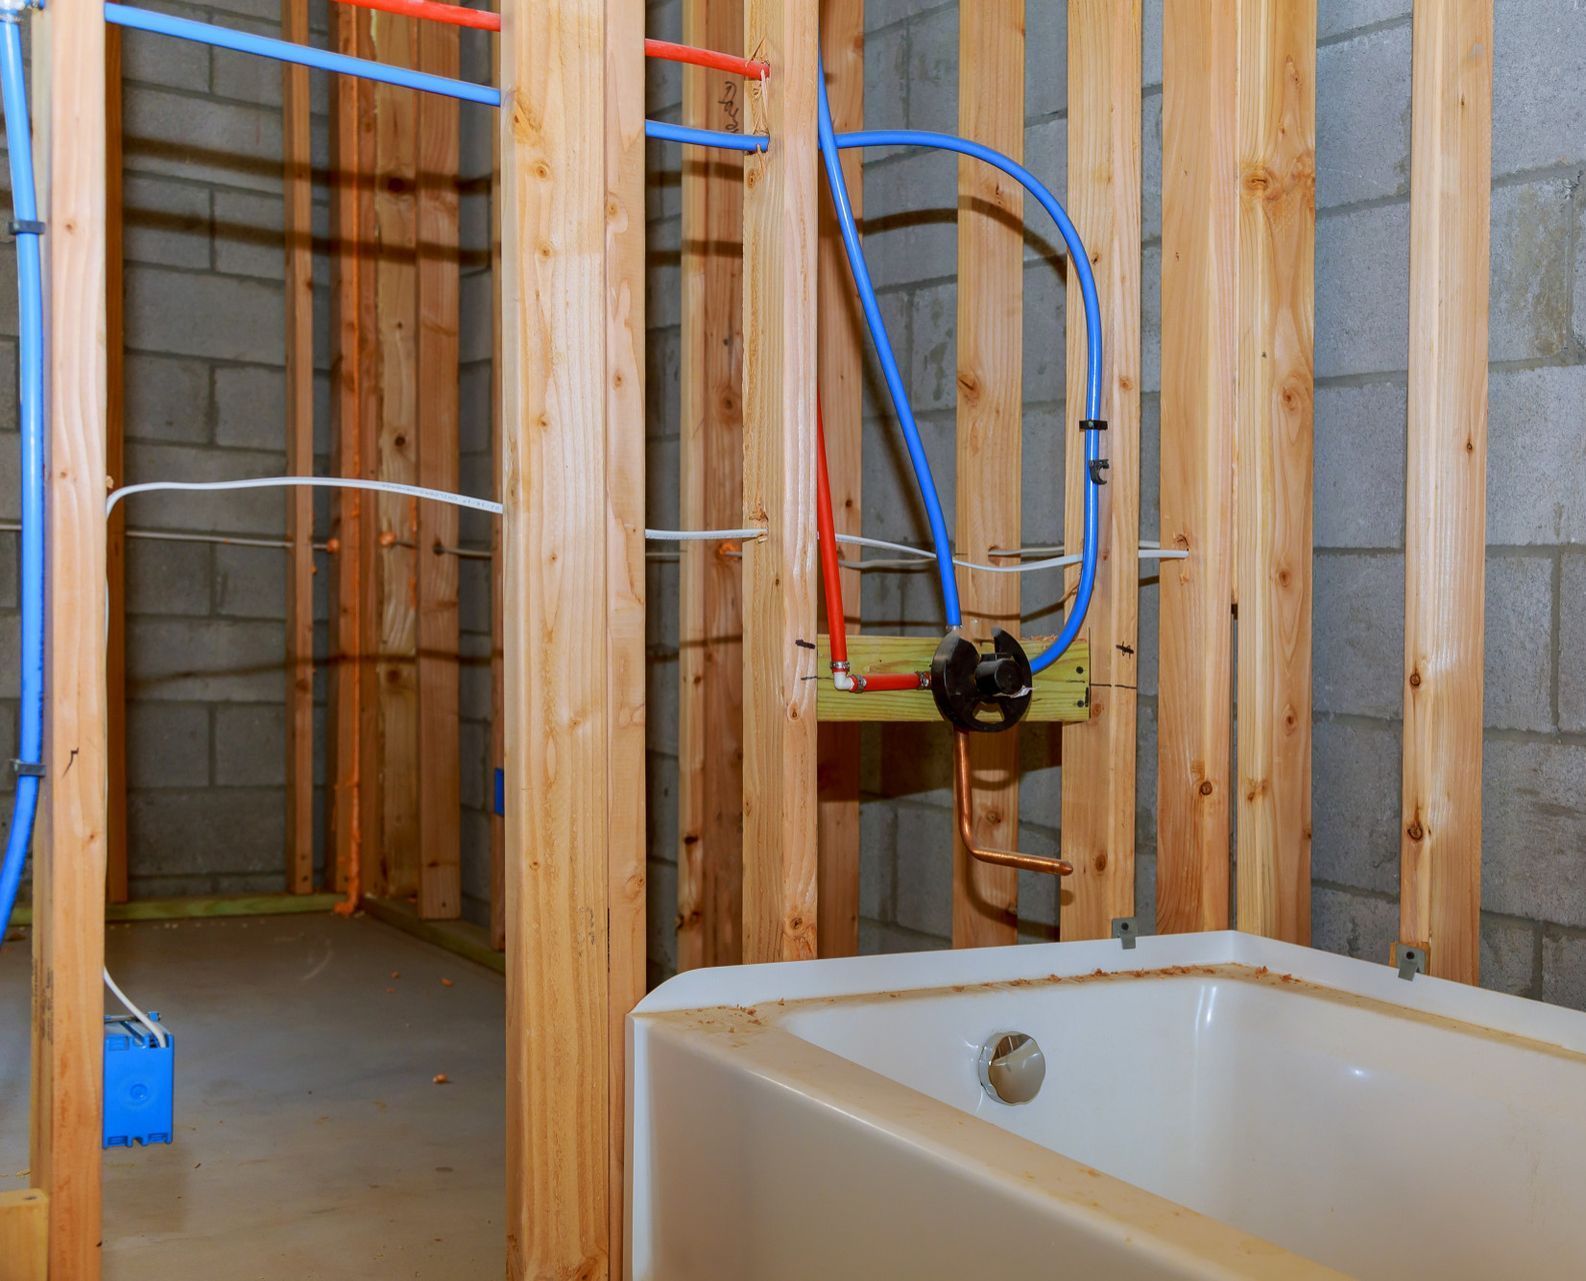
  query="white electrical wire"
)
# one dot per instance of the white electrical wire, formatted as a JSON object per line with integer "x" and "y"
{"x": 10, "y": 527}
{"x": 702, "y": 535}
{"x": 1055, "y": 562}
{"x": 155, "y": 1030}
{"x": 651, "y": 535}
{"x": 311, "y": 482}
{"x": 392, "y": 487}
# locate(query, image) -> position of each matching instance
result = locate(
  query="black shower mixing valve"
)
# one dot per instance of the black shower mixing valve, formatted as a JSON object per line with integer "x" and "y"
{"x": 983, "y": 693}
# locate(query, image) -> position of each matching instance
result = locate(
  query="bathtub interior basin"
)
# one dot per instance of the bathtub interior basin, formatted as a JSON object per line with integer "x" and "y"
{"x": 1213, "y": 1106}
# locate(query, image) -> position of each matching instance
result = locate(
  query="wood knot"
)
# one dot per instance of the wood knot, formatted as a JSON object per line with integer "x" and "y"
{"x": 1206, "y": 787}
{"x": 1262, "y": 182}
{"x": 1415, "y": 680}
{"x": 1415, "y": 831}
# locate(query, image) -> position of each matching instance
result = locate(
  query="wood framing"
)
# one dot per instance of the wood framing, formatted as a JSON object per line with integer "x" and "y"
{"x": 1445, "y": 514}
{"x": 572, "y": 389}
{"x": 710, "y": 462}
{"x": 1104, "y": 200}
{"x": 69, "y": 868}
{"x": 395, "y": 868}
{"x": 626, "y": 829}
{"x": 1199, "y": 367}
{"x": 779, "y": 315}
{"x": 203, "y": 907}
{"x": 990, "y": 429}
{"x": 354, "y": 775}
{"x": 439, "y": 780}
{"x": 498, "y": 826}
{"x": 1237, "y": 250}
{"x": 1276, "y": 267}
{"x": 116, "y": 869}
{"x": 297, "y": 187}
{"x": 841, "y": 338}
{"x": 461, "y": 938}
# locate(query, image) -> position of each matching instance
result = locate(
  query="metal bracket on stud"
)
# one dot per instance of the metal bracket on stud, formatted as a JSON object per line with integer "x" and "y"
{"x": 1126, "y": 929}
{"x": 1410, "y": 958}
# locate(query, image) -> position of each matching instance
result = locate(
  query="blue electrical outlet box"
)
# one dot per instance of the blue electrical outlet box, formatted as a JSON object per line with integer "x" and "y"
{"x": 140, "y": 1083}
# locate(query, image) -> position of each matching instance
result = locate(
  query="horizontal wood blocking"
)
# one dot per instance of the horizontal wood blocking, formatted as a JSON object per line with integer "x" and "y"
{"x": 1062, "y": 691}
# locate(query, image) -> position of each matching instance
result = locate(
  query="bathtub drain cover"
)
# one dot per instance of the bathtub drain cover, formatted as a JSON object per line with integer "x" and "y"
{"x": 1012, "y": 1067}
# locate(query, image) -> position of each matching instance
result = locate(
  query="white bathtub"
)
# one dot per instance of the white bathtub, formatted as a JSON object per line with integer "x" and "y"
{"x": 1215, "y": 1106}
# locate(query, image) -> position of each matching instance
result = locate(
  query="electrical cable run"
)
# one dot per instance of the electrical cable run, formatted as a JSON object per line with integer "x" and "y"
{"x": 489, "y": 506}
{"x": 154, "y": 1029}
{"x": 1060, "y": 561}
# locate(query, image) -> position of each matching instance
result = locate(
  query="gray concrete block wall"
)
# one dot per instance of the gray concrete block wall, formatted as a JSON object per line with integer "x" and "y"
{"x": 1534, "y": 926}
{"x": 1535, "y": 823}
{"x": 205, "y": 400}
{"x": 204, "y": 396}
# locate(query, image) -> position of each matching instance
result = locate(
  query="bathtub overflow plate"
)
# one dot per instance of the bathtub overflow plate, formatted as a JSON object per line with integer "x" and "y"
{"x": 1012, "y": 1067}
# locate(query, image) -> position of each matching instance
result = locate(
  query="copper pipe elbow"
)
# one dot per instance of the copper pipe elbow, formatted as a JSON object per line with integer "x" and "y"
{"x": 964, "y": 805}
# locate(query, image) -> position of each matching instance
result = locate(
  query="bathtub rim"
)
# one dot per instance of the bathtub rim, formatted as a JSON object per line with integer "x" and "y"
{"x": 861, "y": 976}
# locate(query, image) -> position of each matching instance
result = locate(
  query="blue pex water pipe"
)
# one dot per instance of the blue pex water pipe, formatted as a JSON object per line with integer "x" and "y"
{"x": 164, "y": 24}
{"x": 941, "y": 541}
{"x": 831, "y": 144}
{"x": 30, "y": 360}
{"x": 722, "y": 141}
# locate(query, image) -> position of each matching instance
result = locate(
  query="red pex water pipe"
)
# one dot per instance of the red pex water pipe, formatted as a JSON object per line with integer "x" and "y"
{"x": 483, "y": 20}
{"x": 434, "y": 11}
{"x": 666, "y": 51}
{"x": 826, "y": 527}
{"x": 832, "y": 583}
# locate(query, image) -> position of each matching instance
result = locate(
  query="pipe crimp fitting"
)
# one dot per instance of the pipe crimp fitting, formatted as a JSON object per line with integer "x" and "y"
{"x": 1093, "y": 424}
{"x": 24, "y": 226}
{"x": 12, "y": 10}
{"x": 27, "y": 769}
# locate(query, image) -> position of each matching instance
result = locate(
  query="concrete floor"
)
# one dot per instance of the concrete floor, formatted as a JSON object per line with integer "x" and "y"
{"x": 311, "y": 1140}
